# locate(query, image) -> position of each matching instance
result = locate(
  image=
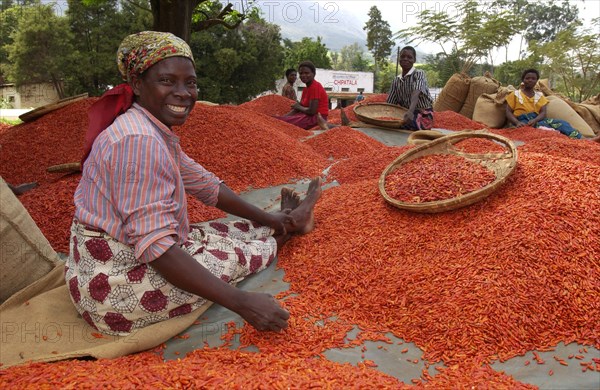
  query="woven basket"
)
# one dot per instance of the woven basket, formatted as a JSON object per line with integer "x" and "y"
{"x": 369, "y": 112}
{"x": 502, "y": 164}
{"x": 420, "y": 137}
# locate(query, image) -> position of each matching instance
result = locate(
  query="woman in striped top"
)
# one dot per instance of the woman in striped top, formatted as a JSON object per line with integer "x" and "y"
{"x": 134, "y": 258}
{"x": 409, "y": 90}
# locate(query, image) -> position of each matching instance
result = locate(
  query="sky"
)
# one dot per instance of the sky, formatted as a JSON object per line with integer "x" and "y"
{"x": 347, "y": 17}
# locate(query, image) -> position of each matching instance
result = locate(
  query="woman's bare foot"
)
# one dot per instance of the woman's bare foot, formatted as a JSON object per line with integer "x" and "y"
{"x": 322, "y": 122}
{"x": 289, "y": 200}
{"x": 304, "y": 213}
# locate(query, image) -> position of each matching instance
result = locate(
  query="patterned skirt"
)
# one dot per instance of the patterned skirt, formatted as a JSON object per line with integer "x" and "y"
{"x": 116, "y": 294}
{"x": 422, "y": 120}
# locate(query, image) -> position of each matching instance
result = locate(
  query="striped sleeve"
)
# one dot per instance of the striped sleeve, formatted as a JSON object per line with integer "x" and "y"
{"x": 420, "y": 81}
{"x": 394, "y": 95}
{"x": 198, "y": 181}
{"x": 142, "y": 187}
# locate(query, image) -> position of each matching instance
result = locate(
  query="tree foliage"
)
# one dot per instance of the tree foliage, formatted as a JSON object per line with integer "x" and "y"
{"x": 351, "y": 58}
{"x": 472, "y": 32}
{"x": 573, "y": 60}
{"x": 379, "y": 36}
{"x": 98, "y": 30}
{"x": 306, "y": 49}
{"x": 41, "y": 48}
{"x": 233, "y": 66}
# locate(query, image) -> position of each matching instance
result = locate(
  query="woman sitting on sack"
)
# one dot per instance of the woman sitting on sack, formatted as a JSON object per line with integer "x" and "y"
{"x": 410, "y": 90}
{"x": 134, "y": 258}
{"x": 527, "y": 107}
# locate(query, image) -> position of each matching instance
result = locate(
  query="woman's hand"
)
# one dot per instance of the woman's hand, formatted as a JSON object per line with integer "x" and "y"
{"x": 532, "y": 123}
{"x": 263, "y": 312}
{"x": 521, "y": 124}
{"x": 279, "y": 221}
{"x": 297, "y": 106}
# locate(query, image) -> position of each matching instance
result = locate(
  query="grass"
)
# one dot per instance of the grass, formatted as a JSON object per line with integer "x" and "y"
{"x": 11, "y": 122}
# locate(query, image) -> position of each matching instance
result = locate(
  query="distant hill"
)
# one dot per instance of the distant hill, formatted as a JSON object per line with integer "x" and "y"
{"x": 337, "y": 26}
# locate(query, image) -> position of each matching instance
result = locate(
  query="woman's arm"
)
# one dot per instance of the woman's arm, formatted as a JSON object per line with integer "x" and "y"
{"x": 260, "y": 310}
{"x": 310, "y": 110}
{"x": 231, "y": 203}
{"x": 511, "y": 116}
{"x": 539, "y": 117}
{"x": 414, "y": 100}
{"x": 393, "y": 95}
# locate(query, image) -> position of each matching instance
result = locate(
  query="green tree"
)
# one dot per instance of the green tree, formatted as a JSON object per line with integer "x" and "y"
{"x": 472, "y": 32}
{"x": 41, "y": 49}
{"x": 536, "y": 20}
{"x": 353, "y": 59}
{"x": 306, "y": 49}
{"x": 98, "y": 30}
{"x": 546, "y": 20}
{"x": 9, "y": 18}
{"x": 379, "y": 36}
{"x": 385, "y": 76}
{"x": 573, "y": 60}
{"x": 182, "y": 17}
{"x": 233, "y": 66}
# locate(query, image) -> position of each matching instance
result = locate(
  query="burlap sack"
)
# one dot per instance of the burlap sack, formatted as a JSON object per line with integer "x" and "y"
{"x": 590, "y": 114}
{"x": 453, "y": 94}
{"x": 25, "y": 254}
{"x": 560, "y": 109}
{"x": 479, "y": 86}
{"x": 544, "y": 87}
{"x": 594, "y": 100}
{"x": 488, "y": 112}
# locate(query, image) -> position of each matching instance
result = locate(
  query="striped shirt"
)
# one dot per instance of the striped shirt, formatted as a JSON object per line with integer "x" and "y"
{"x": 134, "y": 184}
{"x": 403, "y": 87}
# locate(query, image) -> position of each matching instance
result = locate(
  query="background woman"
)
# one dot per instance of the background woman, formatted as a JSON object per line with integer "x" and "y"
{"x": 410, "y": 90}
{"x": 526, "y": 107}
{"x": 313, "y": 108}
{"x": 134, "y": 258}
{"x": 288, "y": 89}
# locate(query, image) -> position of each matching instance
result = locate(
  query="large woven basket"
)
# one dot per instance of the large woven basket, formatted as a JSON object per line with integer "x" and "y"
{"x": 373, "y": 112}
{"x": 502, "y": 164}
{"x": 420, "y": 137}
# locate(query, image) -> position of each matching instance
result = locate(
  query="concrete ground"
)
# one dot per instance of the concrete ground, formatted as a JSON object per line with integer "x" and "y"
{"x": 391, "y": 360}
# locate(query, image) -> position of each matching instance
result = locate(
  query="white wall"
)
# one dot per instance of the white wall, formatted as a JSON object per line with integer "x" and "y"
{"x": 342, "y": 81}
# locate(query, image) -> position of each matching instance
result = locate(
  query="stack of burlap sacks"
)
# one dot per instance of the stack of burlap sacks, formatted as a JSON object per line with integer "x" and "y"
{"x": 482, "y": 99}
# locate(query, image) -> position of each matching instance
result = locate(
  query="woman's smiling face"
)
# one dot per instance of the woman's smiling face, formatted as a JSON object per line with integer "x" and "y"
{"x": 168, "y": 90}
{"x": 306, "y": 74}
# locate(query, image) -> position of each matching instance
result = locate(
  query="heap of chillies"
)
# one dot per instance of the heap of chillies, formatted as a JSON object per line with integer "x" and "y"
{"x": 513, "y": 273}
{"x": 436, "y": 177}
{"x": 343, "y": 142}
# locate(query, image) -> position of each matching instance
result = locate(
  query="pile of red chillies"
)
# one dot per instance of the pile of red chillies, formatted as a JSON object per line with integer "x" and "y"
{"x": 436, "y": 177}
{"x": 515, "y": 272}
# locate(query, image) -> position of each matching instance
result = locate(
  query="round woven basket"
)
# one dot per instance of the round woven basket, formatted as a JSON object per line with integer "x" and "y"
{"x": 502, "y": 164}
{"x": 420, "y": 137}
{"x": 373, "y": 113}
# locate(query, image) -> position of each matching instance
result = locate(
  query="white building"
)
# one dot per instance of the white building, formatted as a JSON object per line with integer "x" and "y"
{"x": 336, "y": 81}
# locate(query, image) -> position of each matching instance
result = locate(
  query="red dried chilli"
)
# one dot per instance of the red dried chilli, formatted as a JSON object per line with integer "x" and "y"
{"x": 527, "y": 133}
{"x": 451, "y": 120}
{"x": 436, "y": 177}
{"x": 269, "y": 105}
{"x": 343, "y": 142}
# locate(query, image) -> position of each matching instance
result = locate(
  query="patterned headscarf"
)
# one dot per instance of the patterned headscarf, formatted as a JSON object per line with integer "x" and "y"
{"x": 136, "y": 54}
{"x": 140, "y": 51}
